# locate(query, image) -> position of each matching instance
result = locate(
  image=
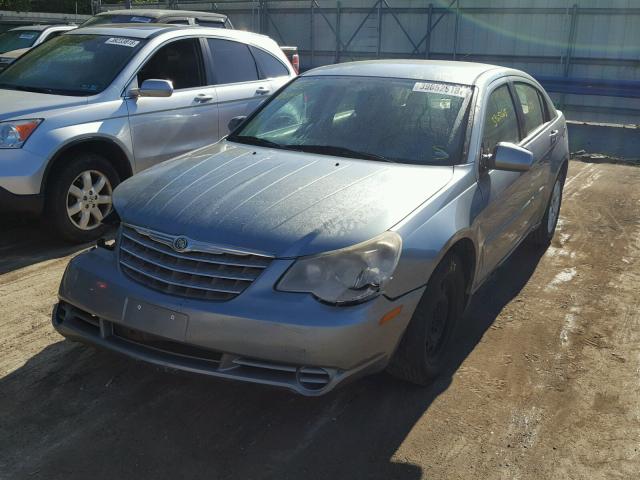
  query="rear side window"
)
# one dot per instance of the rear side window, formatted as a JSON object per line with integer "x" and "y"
{"x": 232, "y": 61}
{"x": 179, "y": 61}
{"x": 501, "y": 122}
{"x": 211, "y": 23}
{"x": 270, "y": 66}
{"x": 532, "y": 110}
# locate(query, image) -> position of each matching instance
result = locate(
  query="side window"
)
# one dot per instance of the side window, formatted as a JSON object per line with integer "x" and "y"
{"x": 500, "y": 123}
{"x": 179, "y": 62}
{"x": 177, "y": 21}
{"x": 210, "y": 23}
{"x": 532, "y": 110}
{"x": 232, "y": 61}
{"x": 270, "y": 66}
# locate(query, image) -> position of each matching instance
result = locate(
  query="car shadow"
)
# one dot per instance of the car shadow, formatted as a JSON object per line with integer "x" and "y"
{"x": 76, "y": 412}
{"x": 27, "y": 241}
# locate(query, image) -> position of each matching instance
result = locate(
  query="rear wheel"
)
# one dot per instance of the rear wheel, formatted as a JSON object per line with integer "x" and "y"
{"x": 425, "y": 347}
{"x": 544, "y": 233}
{"x": 79, "y": 196}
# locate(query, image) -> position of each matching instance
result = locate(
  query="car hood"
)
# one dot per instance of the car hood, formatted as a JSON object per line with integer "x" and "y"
{"x": 282, "y": 203}
{"x": 15, "y": 104}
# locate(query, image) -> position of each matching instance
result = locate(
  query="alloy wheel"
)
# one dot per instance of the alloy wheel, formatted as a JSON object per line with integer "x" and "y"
{"x": 89, "y": 199}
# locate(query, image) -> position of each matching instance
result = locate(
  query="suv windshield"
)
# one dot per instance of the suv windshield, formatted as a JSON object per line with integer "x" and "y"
{"x": 71, "y": 65}
{"x": 385, "y": 119}
{"x": 17, "y": 39}
{"x": 105, "y": 19}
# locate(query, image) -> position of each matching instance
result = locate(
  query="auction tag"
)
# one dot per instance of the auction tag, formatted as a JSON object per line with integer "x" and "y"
{"x": 123, "y": 42}
{"x": 443, "y": 88}
{"x": 27, "y": 36}
{"x": 140, "y": 19}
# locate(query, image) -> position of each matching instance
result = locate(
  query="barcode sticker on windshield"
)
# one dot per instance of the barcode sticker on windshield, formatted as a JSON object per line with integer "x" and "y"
{"x": 27, "y": 36}
{"x": 444, "y": 88}
{"x": 123, "y": 42}
{"x": 140, "y": 19}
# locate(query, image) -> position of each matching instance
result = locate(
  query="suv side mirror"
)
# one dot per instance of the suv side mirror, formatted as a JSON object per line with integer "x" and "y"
{"x": 154, "y": 88}
{"x": 235, "y": 122}
{"x": 509, "y": 157}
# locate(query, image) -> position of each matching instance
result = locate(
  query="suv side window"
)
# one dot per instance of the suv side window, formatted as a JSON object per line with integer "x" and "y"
{"x": 532, "y": 110}
{"x": 270, "y": 66}
{"x": 501, "y": 122}
{"x": 232, "y": 61}
{"x": 179, "y": 61}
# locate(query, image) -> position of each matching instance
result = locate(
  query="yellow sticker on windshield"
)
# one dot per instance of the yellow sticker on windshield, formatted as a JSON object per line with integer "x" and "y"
{"x": 442, "y": 88}
{"x": 123, "y": 42}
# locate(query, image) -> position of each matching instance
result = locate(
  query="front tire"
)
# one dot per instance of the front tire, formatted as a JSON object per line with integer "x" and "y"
{"x": 79, "y": 196}
{"x": 425, "y": 347}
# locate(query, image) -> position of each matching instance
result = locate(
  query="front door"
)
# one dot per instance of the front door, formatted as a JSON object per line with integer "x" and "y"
{"x": 164, "y": 128}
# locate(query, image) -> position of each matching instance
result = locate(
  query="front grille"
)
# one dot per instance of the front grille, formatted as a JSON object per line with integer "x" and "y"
{"x": 147, "y": 258}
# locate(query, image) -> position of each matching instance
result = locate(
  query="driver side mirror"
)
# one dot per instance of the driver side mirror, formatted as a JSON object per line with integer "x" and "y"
{"x": 235, "y": 122}
{"x": 509, "y": 157}
{"x": 153, "y": 88}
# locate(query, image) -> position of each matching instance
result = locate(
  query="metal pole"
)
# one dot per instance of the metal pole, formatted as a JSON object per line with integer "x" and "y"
{"x": 379, "y": 28}
{"x": 311, "y": 35}
{"x": 427, "y": 49}
{"x": 338, "y": 32}
{"x": 455, "y": 30}
{"x": 571, "y": 40}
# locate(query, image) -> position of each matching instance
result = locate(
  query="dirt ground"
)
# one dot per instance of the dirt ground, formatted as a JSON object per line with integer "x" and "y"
{"x": 545, "y": 382}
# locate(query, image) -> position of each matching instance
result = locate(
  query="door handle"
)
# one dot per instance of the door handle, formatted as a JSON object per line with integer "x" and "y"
{"x": 554, "y": 134}
{"x": 203, "y": 97}
{"x": 262, "y": 91}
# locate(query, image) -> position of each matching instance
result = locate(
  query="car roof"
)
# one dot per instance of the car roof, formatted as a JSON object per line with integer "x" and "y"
{"x": 465, "y": 73}
{"x": 40, "y": 28}
{"x": 152, "y": 30}
{"x": 159, "y": 13}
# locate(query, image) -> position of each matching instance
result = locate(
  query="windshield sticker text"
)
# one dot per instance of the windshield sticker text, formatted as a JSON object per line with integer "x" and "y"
{"x": 443, "y": 88}
{"x": 140, "y": 19}
{"x": 123, "y": 42}
{"x": 27, "y": 36}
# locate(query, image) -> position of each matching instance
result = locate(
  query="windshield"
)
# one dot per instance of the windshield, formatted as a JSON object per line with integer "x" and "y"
{"x": 71, "y": 65}
{"x": 17, "y": 39}
{"x": 105, "y": 19}
{"x": 386, "y": 119}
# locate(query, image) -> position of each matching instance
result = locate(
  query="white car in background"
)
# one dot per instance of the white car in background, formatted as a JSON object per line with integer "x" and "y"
{"x": 16, "y": 42}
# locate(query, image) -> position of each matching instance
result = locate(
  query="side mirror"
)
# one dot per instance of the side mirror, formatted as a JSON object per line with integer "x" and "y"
{"x": 154, "y": 88}
{"x": 510, "y": 157}
{"x": 235, "y": 122}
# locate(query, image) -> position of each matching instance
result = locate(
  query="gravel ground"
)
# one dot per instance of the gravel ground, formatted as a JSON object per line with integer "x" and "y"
{"x": 544, "y": 382}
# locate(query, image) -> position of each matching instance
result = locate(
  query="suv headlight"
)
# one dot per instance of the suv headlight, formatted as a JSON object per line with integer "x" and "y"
{"x": 349, "y": 275}
{"x": 13, "y": 134}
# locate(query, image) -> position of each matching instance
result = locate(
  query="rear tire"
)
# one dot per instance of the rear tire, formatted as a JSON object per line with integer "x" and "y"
{"x": 543, "y": 235}
{"x": 425, "y": 347}
{"x": 79, "y": 196}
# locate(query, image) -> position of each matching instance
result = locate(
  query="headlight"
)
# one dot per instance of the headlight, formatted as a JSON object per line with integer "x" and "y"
{"x": 349, "y": 275}
{"x": 13, "y": 134}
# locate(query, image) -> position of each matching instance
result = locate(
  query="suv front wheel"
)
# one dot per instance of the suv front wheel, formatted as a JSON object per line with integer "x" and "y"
{"x": 79, "y": 197}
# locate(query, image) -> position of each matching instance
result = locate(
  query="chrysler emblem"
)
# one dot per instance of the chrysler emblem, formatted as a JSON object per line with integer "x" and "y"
{"x": 180, "y": 244}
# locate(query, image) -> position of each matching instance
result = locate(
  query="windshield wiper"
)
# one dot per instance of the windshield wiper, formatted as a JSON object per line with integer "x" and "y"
{"x": 338, "y": 151}
{"x": 250, "y": 140}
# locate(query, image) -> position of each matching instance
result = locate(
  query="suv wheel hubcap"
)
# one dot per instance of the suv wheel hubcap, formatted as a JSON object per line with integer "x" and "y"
{"x": 89, "y": 199}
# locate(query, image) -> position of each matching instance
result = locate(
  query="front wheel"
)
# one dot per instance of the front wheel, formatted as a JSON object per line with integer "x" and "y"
{"x": 544, "y": 233}
{"x": 425, "y": 347}
{"x": 79, "y": 197}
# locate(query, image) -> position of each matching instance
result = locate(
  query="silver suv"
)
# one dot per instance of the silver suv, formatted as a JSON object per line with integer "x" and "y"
{"x": 88, "y": 109}
{"x": 18, "y": 41}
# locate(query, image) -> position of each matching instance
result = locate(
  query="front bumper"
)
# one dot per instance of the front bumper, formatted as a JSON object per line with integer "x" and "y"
{"x": 262, "y": 336}
{"x": 21, "y": 171}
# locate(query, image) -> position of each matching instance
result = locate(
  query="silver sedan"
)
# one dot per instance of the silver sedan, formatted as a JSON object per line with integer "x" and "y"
{"x": 338, "y": 231}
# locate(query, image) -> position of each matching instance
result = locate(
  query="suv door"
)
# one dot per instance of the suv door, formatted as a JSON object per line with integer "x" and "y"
{"x": 239, "y": 87}
{"x": 508, "y": 211}
{"x": 164, "y": 128}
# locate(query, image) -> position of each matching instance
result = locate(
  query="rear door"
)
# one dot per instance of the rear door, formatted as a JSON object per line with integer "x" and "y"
{"x": 164, "y": 128}
{"x": 239, "y": 86}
